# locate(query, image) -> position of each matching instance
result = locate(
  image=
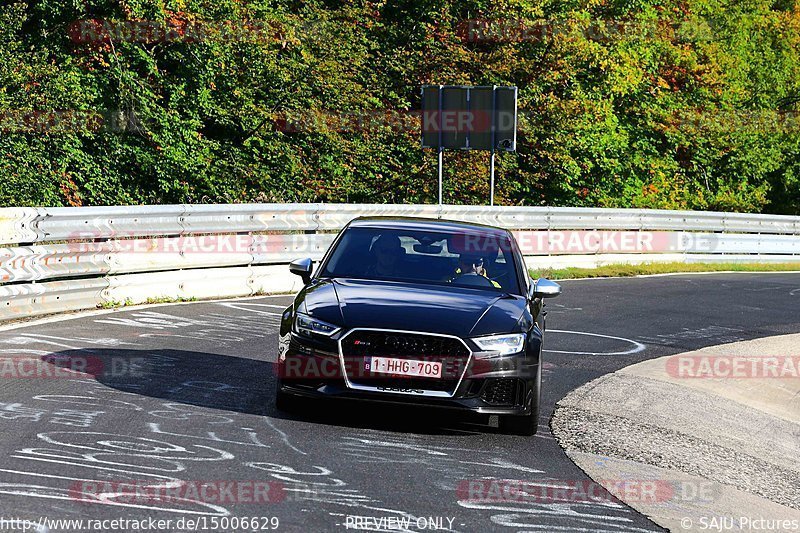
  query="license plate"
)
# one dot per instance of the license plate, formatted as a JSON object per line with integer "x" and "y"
{"x": 404, "y": 367}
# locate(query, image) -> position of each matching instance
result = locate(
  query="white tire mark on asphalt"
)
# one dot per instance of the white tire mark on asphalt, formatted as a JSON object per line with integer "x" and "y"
{"x": 637, "y": 346}
{"x": 247, "y": 307}
{"x": 284, "y": 436}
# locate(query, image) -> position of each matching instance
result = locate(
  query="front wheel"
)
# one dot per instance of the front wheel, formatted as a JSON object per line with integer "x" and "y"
{"x": 526, "y": 424}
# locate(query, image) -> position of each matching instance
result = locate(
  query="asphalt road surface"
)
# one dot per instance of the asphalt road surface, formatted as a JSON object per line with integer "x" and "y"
{"x": 184, "y": 392}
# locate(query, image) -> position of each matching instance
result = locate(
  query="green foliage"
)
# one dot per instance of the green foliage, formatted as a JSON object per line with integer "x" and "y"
{"x": 680, "y": 104}
{"x": 113, "y": 304}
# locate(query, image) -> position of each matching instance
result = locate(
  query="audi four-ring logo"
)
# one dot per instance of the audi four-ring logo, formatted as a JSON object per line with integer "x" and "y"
{"x": 405, "y": 344}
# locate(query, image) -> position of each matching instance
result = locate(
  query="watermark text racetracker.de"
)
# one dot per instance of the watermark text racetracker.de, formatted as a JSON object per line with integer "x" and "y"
{"x": 387, "y": 121}
{"x": 700, "y": 366}
{"x": 73, "y": 366}
{"x": 585, "y": 491}
{"x": 88, "y": 31}
{"x": 61, "y": 121}
{"x": 582, "y": 242}
{"x": 147, "y": 492}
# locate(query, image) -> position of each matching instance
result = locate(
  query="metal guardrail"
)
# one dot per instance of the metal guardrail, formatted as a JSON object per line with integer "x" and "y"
{"x": 57, "y": 259}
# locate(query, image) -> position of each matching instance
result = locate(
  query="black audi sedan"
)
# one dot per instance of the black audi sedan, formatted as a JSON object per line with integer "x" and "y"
{"x": 418, "y": 311}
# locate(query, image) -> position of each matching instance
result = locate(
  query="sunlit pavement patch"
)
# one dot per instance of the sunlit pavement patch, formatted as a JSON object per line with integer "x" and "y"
{"x": 738, "y": 433}
{"x": 697, "y": 502}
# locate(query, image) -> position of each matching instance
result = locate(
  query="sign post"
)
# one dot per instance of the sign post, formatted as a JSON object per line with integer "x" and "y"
{"x": 441, "y": 148}
{"x": 456, "y": 117}
{"x": 494, "y": 143}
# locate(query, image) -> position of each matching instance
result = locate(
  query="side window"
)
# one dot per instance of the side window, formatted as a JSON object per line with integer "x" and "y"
{"x": 522, "y": 268}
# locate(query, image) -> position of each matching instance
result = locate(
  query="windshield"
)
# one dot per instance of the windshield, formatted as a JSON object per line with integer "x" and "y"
{"x": 469, "y": 259}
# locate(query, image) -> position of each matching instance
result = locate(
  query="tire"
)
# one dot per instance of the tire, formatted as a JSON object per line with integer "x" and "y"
{"x": 526, "y": 425}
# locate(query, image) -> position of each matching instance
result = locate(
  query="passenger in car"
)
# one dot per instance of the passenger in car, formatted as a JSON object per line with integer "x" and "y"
{"x": 387, "y": 252}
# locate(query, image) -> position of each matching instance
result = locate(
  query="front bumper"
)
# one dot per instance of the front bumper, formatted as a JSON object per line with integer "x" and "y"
{"x": 471, "y": 404}
{"x": 312, "y": 368}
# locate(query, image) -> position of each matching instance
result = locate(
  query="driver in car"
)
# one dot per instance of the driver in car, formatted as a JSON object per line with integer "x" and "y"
{"x": 469, "y": 264}
{"x": 388, "y": 253}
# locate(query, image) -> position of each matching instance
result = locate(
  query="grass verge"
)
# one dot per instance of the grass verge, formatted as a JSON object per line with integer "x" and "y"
{"x": 113, "y": 304}
{"x": 621, "y": 270}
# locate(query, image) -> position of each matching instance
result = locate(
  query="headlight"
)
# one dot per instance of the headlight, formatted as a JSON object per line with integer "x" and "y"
{"x": 306, "y": 325}
{"x": 502, "y": 344}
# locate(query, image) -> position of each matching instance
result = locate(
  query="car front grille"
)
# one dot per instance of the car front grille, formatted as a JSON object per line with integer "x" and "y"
{"x": 359, "y": 345}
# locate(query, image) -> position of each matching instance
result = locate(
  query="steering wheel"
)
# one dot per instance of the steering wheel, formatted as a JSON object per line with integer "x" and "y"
{"x": 473, "y": 279}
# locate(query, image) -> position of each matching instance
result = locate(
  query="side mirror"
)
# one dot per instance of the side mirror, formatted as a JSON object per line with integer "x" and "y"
{"x": 302, "y": 268}
{"x": 544, "y": 288}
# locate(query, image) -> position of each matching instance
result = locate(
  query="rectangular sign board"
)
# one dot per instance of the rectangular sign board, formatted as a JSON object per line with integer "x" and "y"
{"x": 457, "y": 117}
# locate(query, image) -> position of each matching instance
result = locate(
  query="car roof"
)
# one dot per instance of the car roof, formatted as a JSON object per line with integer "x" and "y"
{"x": 425, "y": 224}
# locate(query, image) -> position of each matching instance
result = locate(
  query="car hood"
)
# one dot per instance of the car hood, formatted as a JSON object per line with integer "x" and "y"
{"x": 405, "y": 306}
